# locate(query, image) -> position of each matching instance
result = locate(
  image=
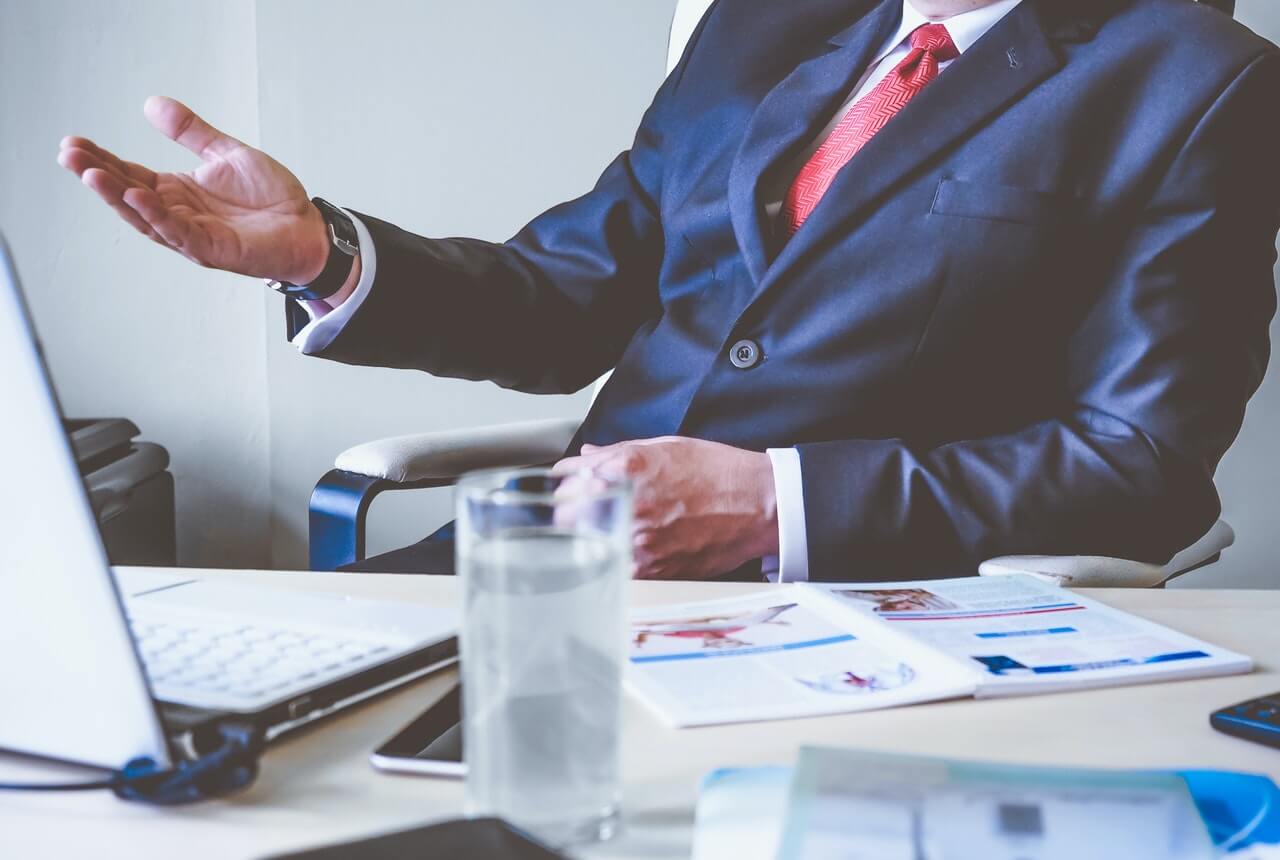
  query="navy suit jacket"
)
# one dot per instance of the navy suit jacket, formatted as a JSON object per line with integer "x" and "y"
{"x": 1026, "y": 318}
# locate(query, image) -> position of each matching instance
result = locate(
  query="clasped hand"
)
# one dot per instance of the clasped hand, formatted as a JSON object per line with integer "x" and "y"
{"x": 701, "y": 508}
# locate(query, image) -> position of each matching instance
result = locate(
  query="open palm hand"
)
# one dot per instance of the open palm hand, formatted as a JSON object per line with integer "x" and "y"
{"x": 240, "y": 210}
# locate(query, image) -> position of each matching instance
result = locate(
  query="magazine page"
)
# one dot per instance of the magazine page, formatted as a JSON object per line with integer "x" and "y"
{"x": 781, "y": 653}
{"x": 1026, "y": 635}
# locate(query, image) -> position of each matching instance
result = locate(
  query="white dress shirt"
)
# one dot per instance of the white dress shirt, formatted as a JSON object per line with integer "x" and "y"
{"x": 792, "y": 563}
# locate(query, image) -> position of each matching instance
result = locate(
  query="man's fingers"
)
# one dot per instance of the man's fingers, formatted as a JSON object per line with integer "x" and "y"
{"x": 127, "y": 169}
{"x": 78, "y": 161}
{"x": 179, "y": 123}
{"x": 596, "y": 461}
{"x": 568, "y": 466}
{"x": 112, "y": 191}
{"x": 173, "y": 230}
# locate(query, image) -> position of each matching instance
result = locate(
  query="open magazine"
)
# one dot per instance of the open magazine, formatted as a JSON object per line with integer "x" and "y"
{"x": 821, "y": 648}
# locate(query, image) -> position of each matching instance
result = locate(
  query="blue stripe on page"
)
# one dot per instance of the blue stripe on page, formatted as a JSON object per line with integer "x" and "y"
{"x": 1013, "y": 633}
{"x": 743, "y": 652}
{"x": 1181, "y": 655}
{"x": 1111, "y": 664}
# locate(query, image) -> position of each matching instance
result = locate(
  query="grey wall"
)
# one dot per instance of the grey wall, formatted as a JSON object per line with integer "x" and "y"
{"x": 1249, "y": 475}
{"x": 446, "y": 117}
{"x": 130, "y": 328}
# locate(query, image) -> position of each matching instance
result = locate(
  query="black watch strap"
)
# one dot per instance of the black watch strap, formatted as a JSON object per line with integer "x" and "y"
{"x": 344, "y": 246}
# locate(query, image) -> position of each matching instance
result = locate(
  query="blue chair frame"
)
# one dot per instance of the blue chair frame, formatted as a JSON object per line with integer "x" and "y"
{"x": 338, "y": 513}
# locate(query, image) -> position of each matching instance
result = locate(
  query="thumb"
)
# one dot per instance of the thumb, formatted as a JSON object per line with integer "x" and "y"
{"x": 179, "y": 123}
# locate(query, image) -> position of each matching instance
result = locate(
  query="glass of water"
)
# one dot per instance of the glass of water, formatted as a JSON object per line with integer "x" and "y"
{"x": 545, "y": 561}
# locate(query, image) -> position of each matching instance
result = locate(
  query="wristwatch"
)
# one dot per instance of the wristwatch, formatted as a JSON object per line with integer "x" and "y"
{"x": 344, "y": 247}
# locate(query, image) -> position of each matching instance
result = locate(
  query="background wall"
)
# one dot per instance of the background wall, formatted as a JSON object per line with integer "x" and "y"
{"x": 130, "y": 328}
{"x": 1249, "y": 476}
{"x": 445, "y": 117}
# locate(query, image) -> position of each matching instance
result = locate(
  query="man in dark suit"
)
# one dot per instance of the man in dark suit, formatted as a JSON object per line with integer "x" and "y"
{"x": 888, "y": 287}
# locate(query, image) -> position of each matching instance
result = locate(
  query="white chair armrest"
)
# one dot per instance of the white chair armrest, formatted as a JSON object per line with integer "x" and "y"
{"x": 448, "y": 454}
{"x": 1088, "y": 571}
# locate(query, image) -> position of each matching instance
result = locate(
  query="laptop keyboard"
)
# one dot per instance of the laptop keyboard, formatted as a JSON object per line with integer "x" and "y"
{"x": 204, "y": 663}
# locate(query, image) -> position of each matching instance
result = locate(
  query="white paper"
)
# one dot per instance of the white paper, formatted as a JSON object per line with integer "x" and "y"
{"x": 787, "y": 652}
{"x": 1025, "y": 635}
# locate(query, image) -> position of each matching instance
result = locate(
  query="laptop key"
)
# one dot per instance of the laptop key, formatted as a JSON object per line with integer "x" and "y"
{"x": 248, "y": 661}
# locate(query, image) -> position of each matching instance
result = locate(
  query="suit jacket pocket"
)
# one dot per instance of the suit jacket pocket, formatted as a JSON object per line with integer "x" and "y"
{"x": 960, "y": 199}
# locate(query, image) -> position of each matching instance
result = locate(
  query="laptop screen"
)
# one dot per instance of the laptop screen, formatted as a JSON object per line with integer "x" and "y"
{"x": 72, "y": 682}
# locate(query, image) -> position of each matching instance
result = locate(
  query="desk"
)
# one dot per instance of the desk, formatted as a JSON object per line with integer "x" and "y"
{"x": 318, "y": 787}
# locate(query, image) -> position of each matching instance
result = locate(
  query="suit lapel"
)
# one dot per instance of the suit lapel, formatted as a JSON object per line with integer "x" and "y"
{"x": 791, "y": 114}
{"x": 1007, "y": 62}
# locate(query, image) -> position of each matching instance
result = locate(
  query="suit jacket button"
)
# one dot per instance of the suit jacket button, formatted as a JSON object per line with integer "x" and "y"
{"x": 745, "y": 354}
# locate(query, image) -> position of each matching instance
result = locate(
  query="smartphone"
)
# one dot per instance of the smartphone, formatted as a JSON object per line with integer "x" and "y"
{"x": 430, "y": 745}
{"x": 1257, "y": 720}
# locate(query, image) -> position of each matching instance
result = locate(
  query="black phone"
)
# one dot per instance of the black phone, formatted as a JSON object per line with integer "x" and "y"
{"x": 463, "y": 839}
{"x": 1257, "y": 720}
{"x": 430, "y": 745}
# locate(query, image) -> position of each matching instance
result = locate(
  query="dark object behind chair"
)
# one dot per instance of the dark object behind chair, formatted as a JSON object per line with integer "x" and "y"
{"x": 130, "y": 489}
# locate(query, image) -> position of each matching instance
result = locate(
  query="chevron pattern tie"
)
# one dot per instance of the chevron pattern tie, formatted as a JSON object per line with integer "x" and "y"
{"x": 930, "y": 46}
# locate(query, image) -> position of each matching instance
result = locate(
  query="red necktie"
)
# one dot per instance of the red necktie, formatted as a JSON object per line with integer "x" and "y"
{"x": 930, "y": 45}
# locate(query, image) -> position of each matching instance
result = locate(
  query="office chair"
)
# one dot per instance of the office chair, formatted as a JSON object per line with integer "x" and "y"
{"x": 341, "y": 500}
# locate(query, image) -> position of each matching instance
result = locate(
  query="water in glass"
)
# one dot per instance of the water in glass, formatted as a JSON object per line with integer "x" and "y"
{"x": 542, "y": 653}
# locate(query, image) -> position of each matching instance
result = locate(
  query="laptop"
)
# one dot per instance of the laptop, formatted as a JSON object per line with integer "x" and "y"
{"x": 100, "y": 666}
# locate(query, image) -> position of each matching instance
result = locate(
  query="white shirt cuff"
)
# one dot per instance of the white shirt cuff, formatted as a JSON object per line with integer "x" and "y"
{"x": 316, "y": 335}
{"x": 792, "y": 563}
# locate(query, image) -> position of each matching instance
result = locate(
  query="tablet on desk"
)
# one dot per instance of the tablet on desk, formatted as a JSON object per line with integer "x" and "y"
{"x": 431, "y": 745}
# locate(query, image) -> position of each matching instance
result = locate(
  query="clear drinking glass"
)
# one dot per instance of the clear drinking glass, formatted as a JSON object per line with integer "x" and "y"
{"x": 545, "y": 562}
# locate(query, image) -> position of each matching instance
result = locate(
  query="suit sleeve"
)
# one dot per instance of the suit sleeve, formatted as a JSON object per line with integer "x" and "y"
{"x": 548, "y": 311}
{"x": 1159, "y": 372}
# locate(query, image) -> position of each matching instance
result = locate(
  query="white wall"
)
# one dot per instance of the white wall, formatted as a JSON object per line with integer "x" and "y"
{"x": 129, "y": 328}
{"x": 1249, "y": 477}
{"x": 446, "y": 118}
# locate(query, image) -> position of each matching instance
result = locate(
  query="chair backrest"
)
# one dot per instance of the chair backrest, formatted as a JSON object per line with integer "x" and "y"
{"x": 683, "y": 23}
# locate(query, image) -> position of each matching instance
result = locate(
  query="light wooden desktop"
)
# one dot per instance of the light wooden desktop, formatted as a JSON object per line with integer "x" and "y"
{"x": 318, "y": 787}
